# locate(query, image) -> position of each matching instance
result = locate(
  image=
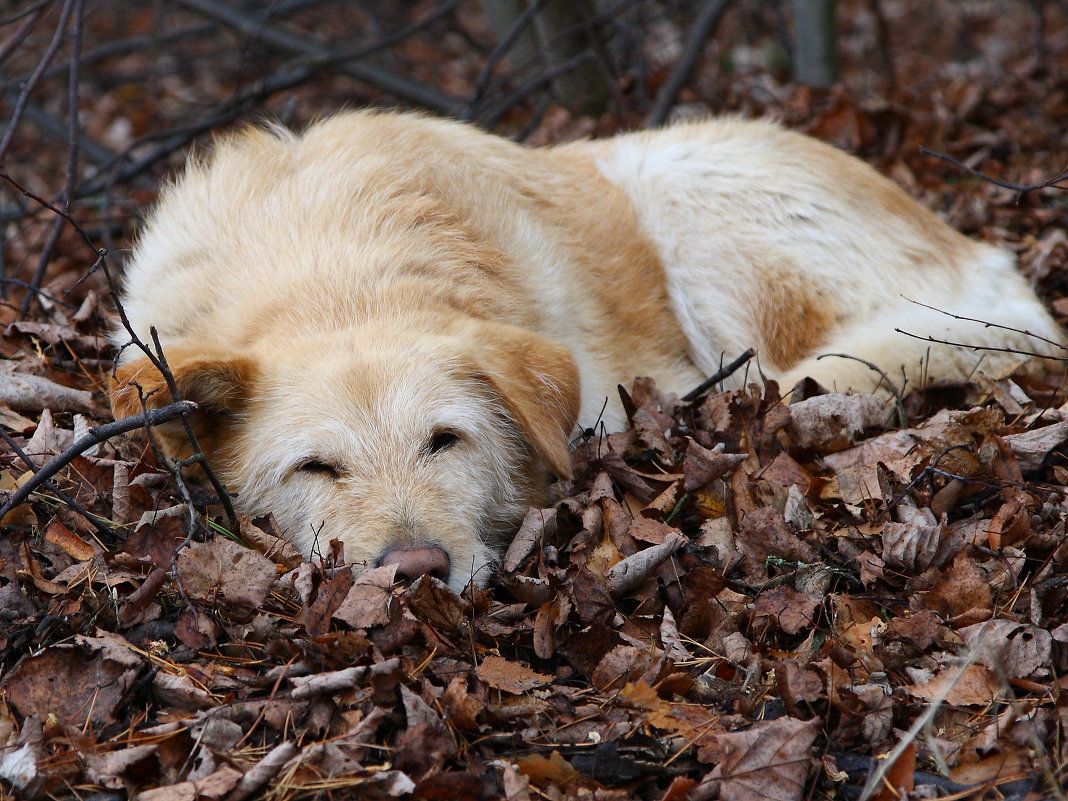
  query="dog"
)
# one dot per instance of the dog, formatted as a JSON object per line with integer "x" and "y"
{"x": 393, "y": 323}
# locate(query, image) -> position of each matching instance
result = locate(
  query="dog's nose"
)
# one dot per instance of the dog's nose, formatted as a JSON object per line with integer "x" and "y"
{"x": 413, "y": 561}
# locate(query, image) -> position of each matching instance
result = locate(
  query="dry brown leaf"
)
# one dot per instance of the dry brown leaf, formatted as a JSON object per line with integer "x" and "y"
{"x": 767, "y": 762}
{"x": 976, "y": 686}
{"x": 1017, "y": 650}
{"x": 109, "y": 768}
{"x": 77, "y": 683}
{"x": 961, "y": 589}
{"x": 512, "y": 677}
{"x": 635, "y": 570}
{"x": 262, "y": 538}
{"x": 63, "y": 537}
{"x": 833, "y": 422}
{"x": 368, "y": 600}
{"x": 31, "y": 393}
{"x": 537, "y": 525}
{"x": 912, "y": 549}
{"x": 212, "y": 786}
{"x": 796, "y": 684}
{"x": 1032, "y": 447}
{"x": 223, "y": 570}
{"x": 553, "y": 769}
{"x": 434, "y": 602}
{"x": 792, "y": 610}
{"x": 701, "y": 465}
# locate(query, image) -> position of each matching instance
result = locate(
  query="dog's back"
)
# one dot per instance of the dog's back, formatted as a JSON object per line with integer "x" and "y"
{"x": 775, "y": 240}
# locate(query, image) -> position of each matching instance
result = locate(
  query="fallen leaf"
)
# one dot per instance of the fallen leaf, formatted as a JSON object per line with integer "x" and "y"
{"x": 223, "y": 570}
{"x": 367, "y": 601}
{"x": 832, "y": 422}
{"x": 976, "y": 686}
{"x": 768, "y": 761}
{"x": 511, "y": 677}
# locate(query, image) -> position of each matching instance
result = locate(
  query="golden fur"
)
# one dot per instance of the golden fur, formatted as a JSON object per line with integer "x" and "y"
{"x": 335, "y": 301}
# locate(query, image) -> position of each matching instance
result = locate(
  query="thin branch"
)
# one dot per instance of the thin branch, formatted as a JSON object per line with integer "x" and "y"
{"x": 48, "y": 124}
{"x": 532, "y": 86}
{"x": 95, "y": 437}
{"x": 984, "y": 347}
{"x": 348, "y": 62}
{"x": 31, "y": 10}
{"x": 12, "y": 44}
{"x": 73, "y": 131}
{"x": 706, "y": 22}
{"x": 247, "y": 98}
{"x": 485, "y": 75}
{"x": 139, "y": 44}
{"x": 31, "y": 83}
{"x": 718, "y": 376}
{"x": 158, "y": 359}
{"x": 90, "y": 518}
{"x": 1019, "y": 189}
{"x": 988, "y": 324}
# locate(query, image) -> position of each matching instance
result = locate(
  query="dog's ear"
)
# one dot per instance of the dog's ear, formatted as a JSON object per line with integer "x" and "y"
{"x": 220, "y": 386}
{"x": 538, "y": 383}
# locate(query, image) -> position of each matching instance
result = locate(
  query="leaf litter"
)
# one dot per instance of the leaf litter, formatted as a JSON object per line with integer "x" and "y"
{"x": 766, "y": 632}
{"x": 735, "y": 598}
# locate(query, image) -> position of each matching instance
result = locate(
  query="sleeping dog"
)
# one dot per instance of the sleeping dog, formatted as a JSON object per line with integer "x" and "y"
{"x": 392, "y": 323}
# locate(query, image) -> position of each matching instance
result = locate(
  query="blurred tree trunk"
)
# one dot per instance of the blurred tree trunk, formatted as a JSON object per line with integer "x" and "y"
{"x": 561, "y": 30}
{"x": 815, "y": 42}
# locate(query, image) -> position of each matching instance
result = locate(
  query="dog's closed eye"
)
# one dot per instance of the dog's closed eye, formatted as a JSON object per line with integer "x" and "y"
{"x": 319, "y": 467}
{"x": 441, "y": 441}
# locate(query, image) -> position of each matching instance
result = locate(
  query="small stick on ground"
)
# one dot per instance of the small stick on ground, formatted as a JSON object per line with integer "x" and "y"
{"x": 718, "y": 376}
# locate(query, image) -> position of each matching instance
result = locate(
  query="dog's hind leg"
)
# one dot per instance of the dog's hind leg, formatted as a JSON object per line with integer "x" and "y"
{"x": 910, "y": 342}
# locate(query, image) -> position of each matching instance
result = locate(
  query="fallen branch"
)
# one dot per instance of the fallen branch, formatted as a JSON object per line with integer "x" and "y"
{"x": 348, "y": 63}
{"x": 92, "y": 519}
{"x": 95, "y": 437}
{"x": 718, "y": 376}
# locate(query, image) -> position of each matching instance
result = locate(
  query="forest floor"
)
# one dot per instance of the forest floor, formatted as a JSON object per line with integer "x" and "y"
{"x": 823, "y": 599}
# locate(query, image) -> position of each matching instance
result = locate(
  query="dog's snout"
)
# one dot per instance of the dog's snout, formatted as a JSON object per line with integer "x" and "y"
{"x": 413, "y": 561}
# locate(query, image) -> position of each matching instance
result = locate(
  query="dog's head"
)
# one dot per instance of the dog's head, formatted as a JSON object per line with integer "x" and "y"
{"x": 415, "y": 448}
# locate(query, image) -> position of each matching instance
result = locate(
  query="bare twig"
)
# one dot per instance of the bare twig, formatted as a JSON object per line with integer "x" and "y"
{"x": 1019, "y": 189}
{"x": 73, "y": 130}
{"x": 12, "y": 44}
{"x": 348, "y": 62}
{"x": 506, "y": 43}
{"x": 991, "y": 348}
{"x": 95, "y": 436}
{"x": 987, "y": 324}
{"x": 492, "y": 118}
{"x": 707, "y": 19}
{"x": 239, "y": 104}
{"x": 31, "y": 82}
{"x": 139, "y": 44}
{"x": 92, "y": 519}
{"x": 31, "y": 10}
{"x": 718, "y": 376}
{"x": 157, "y": 359}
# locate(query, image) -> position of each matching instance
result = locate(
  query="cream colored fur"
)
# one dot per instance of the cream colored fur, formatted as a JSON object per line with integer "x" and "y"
{"x": 337, "y": 298}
